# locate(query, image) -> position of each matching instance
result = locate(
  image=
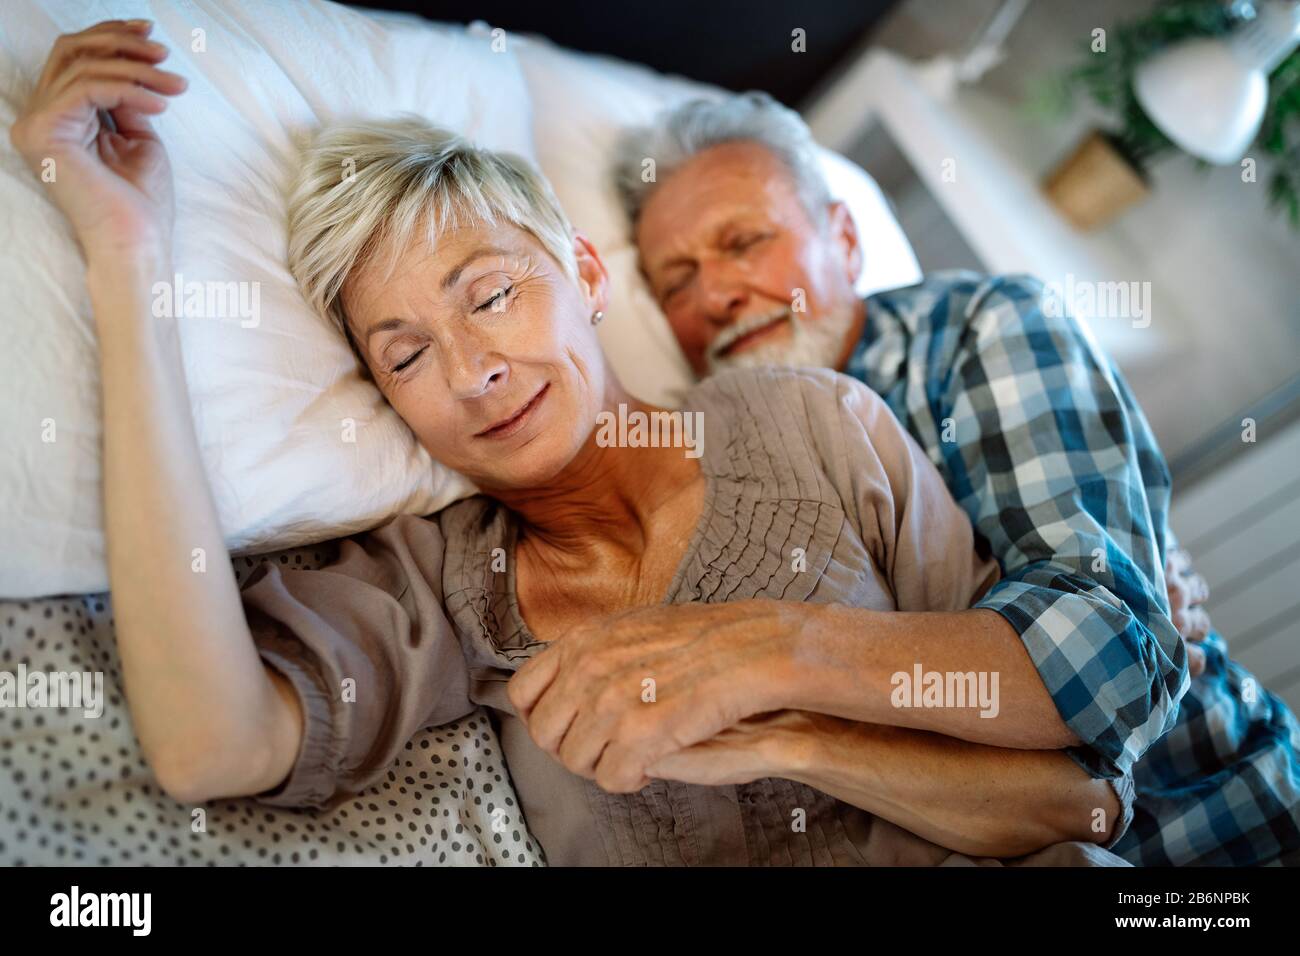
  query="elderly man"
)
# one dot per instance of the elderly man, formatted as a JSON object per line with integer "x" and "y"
{"x": 1041, "y": 443}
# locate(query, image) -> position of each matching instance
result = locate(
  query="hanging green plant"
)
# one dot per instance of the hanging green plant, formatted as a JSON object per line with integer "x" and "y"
{"x": 1107, "y": 79}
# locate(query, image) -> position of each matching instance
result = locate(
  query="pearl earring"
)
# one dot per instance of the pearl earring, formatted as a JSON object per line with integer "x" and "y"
{"x": 595, "y": 319}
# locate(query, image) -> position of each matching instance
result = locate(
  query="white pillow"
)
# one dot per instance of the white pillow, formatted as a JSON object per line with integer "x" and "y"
{"x": 580, "y": 105}
{"x": 272, "y": 402}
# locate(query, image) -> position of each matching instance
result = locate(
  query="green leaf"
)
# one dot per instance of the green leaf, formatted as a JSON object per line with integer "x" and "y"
{"x": 1107, "y": 79}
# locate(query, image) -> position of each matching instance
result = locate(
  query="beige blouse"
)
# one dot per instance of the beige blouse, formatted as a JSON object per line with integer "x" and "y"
{"x": 412, "y": 627}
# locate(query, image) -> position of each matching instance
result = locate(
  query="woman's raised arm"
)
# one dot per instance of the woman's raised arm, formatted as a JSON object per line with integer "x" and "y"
{"x": 212, "y": 719}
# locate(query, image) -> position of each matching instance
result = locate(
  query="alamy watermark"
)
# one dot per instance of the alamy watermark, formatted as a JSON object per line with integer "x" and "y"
{"x": 660, "y": 429}
{"x": 208, "y": 300}
{"x": 922, "y": 688}
{"x": 1088, "y": 300}
{"x": 132, "y": 911}
{"x": 76, "y": 690}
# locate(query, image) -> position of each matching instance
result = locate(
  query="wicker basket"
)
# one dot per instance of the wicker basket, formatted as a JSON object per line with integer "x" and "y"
{"x": 1095, "y": 183}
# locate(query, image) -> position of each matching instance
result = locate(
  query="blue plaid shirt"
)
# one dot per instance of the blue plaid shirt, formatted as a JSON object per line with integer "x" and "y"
{"x": 1043, "y": 446}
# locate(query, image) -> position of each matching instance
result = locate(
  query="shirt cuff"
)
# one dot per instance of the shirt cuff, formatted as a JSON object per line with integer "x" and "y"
{"x": 1125, "y": 793}
{"x": 310, "y": 782}
{"x": 1100, "y": 700}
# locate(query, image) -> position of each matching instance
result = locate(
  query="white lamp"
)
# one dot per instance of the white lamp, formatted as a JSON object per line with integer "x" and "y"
{"x": 1209, "y": 95}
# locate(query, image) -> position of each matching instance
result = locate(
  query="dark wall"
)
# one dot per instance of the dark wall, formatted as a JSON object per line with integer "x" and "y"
{"x": 737, "y": 45}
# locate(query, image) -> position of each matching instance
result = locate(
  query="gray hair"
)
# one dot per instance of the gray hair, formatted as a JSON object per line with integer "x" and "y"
{"x": 683, "y": 131}
{"x": 379, "y": 185}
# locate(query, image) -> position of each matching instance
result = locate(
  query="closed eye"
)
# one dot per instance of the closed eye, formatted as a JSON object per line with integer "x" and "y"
{"x": 406, "y": 362}
{"x": 676, "y": 286}
{"x": 748, "y": 239}
{"x": 497, "y": 296}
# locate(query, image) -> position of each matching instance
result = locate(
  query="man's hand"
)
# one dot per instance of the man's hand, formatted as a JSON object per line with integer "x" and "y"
{"x": 615, "y": 695}
{"x": 1187, "y": 592}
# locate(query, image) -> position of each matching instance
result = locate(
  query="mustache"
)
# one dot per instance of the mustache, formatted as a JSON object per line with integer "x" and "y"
{"x": 738, "y": 330}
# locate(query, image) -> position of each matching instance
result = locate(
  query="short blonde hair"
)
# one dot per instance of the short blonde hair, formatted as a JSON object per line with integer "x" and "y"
{"x": 369, "y": 186}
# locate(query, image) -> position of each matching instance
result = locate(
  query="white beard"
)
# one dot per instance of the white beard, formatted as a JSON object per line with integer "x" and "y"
{"x": 816, "y": 344}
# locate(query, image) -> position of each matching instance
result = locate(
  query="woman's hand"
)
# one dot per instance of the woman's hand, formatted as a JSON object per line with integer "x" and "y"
{"x": 115, "y": 187}
{"x": 617, "y": 694}
{"x": 780, "y": 744}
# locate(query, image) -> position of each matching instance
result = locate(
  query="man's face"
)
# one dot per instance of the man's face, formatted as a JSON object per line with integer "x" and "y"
{"x": 745, "y": 275}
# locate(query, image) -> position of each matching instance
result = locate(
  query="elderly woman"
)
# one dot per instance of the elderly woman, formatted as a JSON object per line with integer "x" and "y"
{"x": 473, "y": 306}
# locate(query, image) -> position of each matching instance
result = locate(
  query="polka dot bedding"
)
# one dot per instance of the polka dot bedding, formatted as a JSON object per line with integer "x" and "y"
{"x": 75, "y": 789}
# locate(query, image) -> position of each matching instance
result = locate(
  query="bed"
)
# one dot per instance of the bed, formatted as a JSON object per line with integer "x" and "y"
{"x": 76, "y": 790}
{"x": 269, "y": 399}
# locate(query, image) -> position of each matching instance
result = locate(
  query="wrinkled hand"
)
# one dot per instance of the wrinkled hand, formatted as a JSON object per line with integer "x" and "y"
{"x": 115, "y": 187}
{"x": 779, "y": 744}
{"x": 1187, "y": 592}
{"x": 614, "y": 696}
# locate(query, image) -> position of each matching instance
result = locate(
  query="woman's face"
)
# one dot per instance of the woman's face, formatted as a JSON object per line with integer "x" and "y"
{"x": 485, "y": 347}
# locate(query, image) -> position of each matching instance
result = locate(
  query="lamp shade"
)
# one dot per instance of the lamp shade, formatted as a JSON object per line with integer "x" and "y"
{"x": 1203, "y": 98}
{"x": 1209, "y": 95}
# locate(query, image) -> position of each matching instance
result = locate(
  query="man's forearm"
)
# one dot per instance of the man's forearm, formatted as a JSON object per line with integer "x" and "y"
{"x": 862, "y": 665}
{"x": 971, "y": 798}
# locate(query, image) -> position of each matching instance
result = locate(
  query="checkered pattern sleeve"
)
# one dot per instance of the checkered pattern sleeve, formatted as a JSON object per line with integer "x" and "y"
{"x": 1051, "y": 458}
